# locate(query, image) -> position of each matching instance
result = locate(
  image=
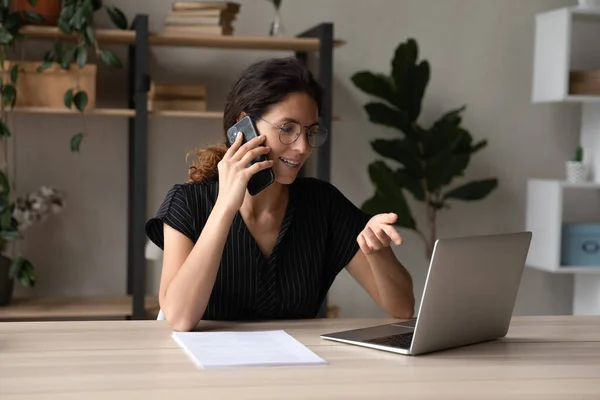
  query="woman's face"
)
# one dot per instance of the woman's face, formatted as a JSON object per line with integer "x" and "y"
{"x": 298, "y": 108}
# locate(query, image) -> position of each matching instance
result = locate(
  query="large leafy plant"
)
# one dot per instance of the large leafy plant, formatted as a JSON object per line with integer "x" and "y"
{"x": 77, "y": 18}
{"x": 427, "y": 159}
{"x": 21, "y": 268}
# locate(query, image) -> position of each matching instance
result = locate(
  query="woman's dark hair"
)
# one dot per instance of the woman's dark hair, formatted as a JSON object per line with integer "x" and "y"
{"x": 261, "y": 85}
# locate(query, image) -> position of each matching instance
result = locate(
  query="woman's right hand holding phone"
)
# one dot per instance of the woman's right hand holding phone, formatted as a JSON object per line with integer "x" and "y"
{"x": 234, "y": 172}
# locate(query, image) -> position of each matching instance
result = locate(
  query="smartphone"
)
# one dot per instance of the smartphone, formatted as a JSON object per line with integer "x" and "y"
{"x": 263, "y": 178}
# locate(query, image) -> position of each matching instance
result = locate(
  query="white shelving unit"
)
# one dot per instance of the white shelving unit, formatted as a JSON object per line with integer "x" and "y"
{"x": 567, "y": 39}
{"x": 550, "y": 204}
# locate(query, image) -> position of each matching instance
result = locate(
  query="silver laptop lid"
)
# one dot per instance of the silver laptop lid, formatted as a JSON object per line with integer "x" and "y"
{"x": 470, "y": 291}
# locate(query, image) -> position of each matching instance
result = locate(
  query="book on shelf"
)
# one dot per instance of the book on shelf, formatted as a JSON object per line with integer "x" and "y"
{"x": 201, "y": 18}
{"x": 177, "y": 97}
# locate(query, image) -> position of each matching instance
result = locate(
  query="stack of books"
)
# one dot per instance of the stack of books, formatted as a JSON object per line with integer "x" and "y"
{"x": 176, "y": 97}
{"x": 201, "y": 18}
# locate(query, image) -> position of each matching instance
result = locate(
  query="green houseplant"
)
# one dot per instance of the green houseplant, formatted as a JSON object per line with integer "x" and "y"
{"x": 428, "y": 159}
{"x": 18, "y": 268}
{"x": 77, "y": 19}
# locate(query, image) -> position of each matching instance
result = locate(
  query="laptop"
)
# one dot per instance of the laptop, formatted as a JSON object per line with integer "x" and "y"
{"x": 469, "y": 297}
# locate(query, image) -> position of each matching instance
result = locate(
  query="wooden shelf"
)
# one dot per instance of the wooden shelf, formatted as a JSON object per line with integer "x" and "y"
{"x": 74, "y": 307}
{"x": 117, "y": 36}
{"x": 117, "y": 112}
{"x": 568, "y": 269}
{"x": 125, "y": 112}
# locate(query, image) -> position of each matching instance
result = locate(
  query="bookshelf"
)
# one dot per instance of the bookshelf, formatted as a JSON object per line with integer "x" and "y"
{"x": 566, "y": 40}
{"x": 317, "y": 41}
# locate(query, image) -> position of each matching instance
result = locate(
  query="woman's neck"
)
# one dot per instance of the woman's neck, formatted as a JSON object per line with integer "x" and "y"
{"x": 268, "y": 201}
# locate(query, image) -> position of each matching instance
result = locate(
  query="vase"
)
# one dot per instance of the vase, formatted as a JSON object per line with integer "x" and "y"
{"x": 577, "y": 172}
{"x": 276, "y": 25}
{"x": 6, "y": 283}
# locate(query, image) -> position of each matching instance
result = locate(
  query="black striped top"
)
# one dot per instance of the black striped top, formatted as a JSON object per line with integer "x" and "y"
{"x": 316, "y": 241}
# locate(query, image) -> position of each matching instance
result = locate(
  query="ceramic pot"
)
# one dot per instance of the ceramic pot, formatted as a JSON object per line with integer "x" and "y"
{"x": 6, "y": 284}
{"x": 577, "y": 172}
{"x": 49, "y": 9}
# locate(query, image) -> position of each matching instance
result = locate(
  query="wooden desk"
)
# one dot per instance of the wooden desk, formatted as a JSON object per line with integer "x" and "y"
{"x": 542, "y": 358}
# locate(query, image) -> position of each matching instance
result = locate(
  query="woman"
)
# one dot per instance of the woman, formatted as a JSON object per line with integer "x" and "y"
{"x": 232, "y": 256}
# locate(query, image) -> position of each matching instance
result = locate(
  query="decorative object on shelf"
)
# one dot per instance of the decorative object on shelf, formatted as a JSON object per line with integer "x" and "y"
{"x": 46, "y": 12}
{"x": 181, "y": 97}
{"x": 580, "y": 245}
{"x": 276, "y": 28}
{"x": 589, "y": 3}
{"x": 430, "y": 158}
{"x": 201, "y": 18}
{"x": 577, "y": 171}
{"x": 584, "y": 82}
{"x": 77, "y": 18}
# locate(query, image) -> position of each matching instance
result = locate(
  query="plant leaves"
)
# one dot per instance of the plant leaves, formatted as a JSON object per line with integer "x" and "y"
{"x": 402, "y": 151}
{"x": 478, "y": 146}
{"x": 26, "y": 274}
{"x": 64, "y": 26}
{"x": 376, "y": 85}
{"x": 33, "y": 3}
{"x": 89, "y": 36}
{"x": 443, "y": 133}
{"x": 411, "y": 183}
{"x": 13, "y": 22}
{"x": 33, "y": 16}
{"x": 5, "y": 37}
{"x": 4, "y": 131}
{"x": 382, "y": 114}
{"x": 9, "y": 95}
{"x": 110, "y": 59}
{"x": 475, "y": 190}
{"x": 117, "y": 17}
{"x": 44, "y": 66}
{"x": 68, "y": 99}
{"x": 81, "y": 56}
{"x": 76, "y": 142}
{"x": 410, "y": 78}
{"x": 9, "y": 235}
{"x": 5, "y": 219}
{"x": 14, "y": 73}
{"x": 81, "y": 100}
{"x": 389, "y": 195}
{"x": 15, "y": 267}
{"x": 97, "y": 4}
{"x": 4, "y": 185}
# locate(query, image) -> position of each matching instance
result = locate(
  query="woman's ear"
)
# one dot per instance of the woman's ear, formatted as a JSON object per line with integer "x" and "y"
{"x": 242, "y": 115}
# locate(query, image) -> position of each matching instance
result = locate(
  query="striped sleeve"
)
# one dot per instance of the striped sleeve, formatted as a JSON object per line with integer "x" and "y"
{"x": 174, "y": 211}
{"x": 346, "y": 221}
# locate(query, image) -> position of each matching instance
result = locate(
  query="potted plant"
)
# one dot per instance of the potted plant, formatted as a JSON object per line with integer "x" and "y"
{"x": 577, "y": 171}
{"x": 12, "y": 211}
{"x": 77, "y": 18}
{"x": 428, "y": 159}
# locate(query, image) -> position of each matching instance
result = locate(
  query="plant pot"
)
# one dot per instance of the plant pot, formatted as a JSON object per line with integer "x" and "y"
{"x": 48, "y": 88}
{"x": 49, "y": 9}
{"x": 6, "y": 284}
{"x": 577, "y": 172}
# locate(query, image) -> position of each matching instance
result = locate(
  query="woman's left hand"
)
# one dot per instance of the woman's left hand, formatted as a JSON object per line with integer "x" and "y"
{"x": 379, "y": 233}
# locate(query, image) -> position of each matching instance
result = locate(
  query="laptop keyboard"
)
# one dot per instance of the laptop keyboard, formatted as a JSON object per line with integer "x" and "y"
{"x": 402, "y": 340}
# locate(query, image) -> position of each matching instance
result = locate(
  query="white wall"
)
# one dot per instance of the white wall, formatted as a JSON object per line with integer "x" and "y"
{"x": 481, "y": 55}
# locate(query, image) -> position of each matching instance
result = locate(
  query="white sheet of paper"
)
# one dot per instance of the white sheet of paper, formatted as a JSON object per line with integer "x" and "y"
{"x": 237, "y": 349}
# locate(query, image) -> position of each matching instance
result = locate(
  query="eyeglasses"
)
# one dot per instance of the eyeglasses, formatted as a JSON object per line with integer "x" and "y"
{"x": 290, "y": 131}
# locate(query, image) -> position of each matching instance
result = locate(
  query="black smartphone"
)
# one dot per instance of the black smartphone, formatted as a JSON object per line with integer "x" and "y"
{"x": 263, "y": 178}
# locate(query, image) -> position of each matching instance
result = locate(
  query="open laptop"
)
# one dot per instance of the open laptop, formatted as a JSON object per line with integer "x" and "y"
{"x": 469, "y": 297}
